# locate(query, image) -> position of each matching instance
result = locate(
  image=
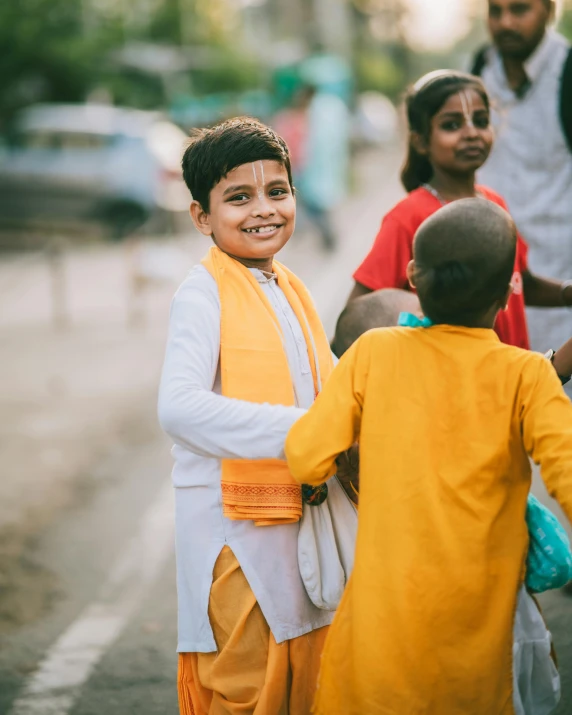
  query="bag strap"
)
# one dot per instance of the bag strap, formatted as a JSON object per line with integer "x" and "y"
{"x": 480, "y": 61}
{"x": 566, "y": 99}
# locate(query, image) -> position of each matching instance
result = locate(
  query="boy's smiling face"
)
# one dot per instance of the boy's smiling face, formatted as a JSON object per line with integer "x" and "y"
{"x": 252, "y": 212}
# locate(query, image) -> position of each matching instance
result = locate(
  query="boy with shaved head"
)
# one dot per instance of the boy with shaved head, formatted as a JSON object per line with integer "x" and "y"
{"x": 426, "y": 623}
{"x": 380, "y": 309}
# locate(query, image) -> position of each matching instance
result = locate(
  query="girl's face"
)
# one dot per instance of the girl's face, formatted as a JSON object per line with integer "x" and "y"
{"x": 461, "y": 136}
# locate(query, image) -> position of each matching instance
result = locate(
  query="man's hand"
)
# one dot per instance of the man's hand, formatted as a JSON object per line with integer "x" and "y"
{"x": 347, "y": 464}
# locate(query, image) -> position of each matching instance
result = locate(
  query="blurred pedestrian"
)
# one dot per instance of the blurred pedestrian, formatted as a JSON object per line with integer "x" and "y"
{"x": 528, "y": 75}
{"x": 323, "y": 182}
{"x": 448, "y": 419}
{"x": 450, "y": 139}
{"x": 245, "y": 356}
{"x": 292, "y": 124}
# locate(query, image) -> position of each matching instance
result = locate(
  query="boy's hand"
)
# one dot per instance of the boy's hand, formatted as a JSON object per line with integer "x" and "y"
{"x": 347, "y": 464}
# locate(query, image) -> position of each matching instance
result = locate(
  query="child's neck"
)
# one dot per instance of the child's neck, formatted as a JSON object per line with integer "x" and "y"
{"x": 263, "y": 264}
{"x": 451, "y": 188}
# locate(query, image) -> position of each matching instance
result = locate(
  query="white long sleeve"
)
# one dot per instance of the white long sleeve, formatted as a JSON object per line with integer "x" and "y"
{"x": 207, "y": 428}
{"x": 192, "y": 414}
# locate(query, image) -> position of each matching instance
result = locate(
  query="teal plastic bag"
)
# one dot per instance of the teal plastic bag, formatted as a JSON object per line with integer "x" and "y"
{"x": 549, "y": 562}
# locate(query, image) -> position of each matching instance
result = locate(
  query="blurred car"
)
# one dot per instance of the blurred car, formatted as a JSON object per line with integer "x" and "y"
{"x": 70, "y": 164}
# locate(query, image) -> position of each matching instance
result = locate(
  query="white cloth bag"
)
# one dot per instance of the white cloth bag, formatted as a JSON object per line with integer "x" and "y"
{"x": 326, "y": 546}
{"x": 536, "y": 681}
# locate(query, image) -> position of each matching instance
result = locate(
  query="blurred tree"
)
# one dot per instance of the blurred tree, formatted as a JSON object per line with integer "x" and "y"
{"x": 380, "y": 72}
{"x": 565, "y": 24}
{"x": 45, "y": 54}
{"x": 383, "y": 59}
{"x": 60, "y": 50}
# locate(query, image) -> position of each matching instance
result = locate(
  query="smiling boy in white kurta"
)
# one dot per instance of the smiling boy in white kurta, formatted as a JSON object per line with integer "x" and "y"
{"x": 245, "y": 353}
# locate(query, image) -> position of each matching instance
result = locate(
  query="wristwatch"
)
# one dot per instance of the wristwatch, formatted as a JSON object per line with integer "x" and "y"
{"x": 564, "y": 379}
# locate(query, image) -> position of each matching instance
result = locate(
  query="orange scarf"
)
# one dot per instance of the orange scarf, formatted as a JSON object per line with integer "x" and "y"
{"x": 254, "y": 367}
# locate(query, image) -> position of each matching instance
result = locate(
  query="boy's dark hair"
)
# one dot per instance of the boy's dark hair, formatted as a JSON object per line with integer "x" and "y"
{"x": 423, "y": 101}
{"x": 379, "y": 309}
{"x": 214, "y": 152}
{"x": 464, "y": 258}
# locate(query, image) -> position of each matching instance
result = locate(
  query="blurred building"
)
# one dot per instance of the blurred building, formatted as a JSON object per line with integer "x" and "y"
{"x": 282, "y": 31}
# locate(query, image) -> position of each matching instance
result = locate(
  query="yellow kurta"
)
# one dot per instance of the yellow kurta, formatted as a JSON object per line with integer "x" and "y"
{"x": 446, "y": 418}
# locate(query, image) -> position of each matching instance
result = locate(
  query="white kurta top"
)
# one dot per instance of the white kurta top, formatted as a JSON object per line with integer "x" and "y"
{"x": 531, "y": 167}
{"x": 206, "y": 428}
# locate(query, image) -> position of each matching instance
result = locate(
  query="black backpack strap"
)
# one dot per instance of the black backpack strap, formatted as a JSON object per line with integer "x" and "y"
{"x": 566, "y": 99}
{"x": 479, "y": 61}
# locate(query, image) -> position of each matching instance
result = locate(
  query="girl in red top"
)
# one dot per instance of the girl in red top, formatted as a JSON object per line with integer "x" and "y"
{"x": 450, "y": 139}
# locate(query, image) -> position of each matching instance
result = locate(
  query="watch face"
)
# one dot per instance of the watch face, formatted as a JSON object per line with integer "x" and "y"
{"x": 314, "y": 496}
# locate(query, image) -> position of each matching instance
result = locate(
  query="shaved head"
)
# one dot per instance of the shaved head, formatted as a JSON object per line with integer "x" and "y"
{"x": 464, "y": 258}
{"x": 380, "y": 309}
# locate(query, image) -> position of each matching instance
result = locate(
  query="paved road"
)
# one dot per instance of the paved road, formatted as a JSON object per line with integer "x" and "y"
{"x": 106, "y": 644}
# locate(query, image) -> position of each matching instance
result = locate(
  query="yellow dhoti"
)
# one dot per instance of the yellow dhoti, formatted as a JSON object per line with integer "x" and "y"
{"x": 250, "y": 673}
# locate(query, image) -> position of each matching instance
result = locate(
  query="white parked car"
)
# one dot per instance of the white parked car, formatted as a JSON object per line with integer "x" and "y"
{"x": 92, "y": 163}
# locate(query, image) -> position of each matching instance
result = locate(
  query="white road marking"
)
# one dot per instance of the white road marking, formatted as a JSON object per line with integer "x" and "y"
{"x": 55, "y": 686}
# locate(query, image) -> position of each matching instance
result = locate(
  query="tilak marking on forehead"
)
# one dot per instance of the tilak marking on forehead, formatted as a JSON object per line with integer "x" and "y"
{"x": 467, "y": 104}
{"x": 259, "y": 182}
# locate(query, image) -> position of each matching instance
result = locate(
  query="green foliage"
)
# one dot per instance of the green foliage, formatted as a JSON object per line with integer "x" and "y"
{"x": 565, "y": 24}
{"x": 59, "y": 50}
{"x": 41, "y": 56}
{"x": 232, "y": 72}
{"x": 45, "y": 55}
{"x": 380, "y": 71}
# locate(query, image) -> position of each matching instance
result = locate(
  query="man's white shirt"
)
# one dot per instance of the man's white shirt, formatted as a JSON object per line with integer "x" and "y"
{"x": 531, "y": 167}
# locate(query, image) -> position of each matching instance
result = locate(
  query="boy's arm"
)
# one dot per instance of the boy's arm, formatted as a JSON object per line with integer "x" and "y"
{"x": 547, "y": 432}
{"x": 195, "y": 417}
{"x": 546, "y": 292}
{"x": 538, "y": 291}
{"x": 332, "y": 424}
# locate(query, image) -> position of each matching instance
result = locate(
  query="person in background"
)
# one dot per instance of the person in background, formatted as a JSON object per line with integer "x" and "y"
{"x": 315, "y": 127}
{"x": 292, "y": 124}
{"x": 447, "y": 419}
{"x": 528, "y": 75}
{"x": 381, "y": 308}
{"x": 323, "y": 181}
{"x": 450, "y": 139}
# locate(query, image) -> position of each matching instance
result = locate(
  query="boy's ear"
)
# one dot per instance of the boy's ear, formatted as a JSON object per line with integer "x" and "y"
{"x": 418, "y": 142}
{"x": 507, "y": 295}
{"x": 201, "y": 218}
{"x": 410, "y": 273}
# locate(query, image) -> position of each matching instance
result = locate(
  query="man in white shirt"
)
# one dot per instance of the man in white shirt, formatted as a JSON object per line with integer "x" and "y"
{"x": 531, "y": 162}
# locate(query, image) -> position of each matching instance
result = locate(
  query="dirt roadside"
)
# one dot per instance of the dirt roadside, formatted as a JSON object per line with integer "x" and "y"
{"x": 80, "y": 370}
